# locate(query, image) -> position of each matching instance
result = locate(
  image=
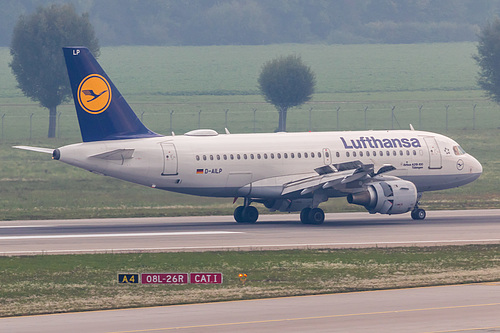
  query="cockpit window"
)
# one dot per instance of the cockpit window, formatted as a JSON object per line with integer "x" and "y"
{"x": 458, "y": 150}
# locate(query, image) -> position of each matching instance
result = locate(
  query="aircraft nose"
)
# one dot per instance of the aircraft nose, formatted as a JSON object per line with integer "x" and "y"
{"x": 475, "y": 167}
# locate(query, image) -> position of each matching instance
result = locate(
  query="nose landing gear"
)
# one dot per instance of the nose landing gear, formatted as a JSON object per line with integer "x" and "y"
{"x": 418, "y": 214}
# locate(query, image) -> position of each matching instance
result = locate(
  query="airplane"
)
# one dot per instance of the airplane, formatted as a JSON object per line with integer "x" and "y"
{"x": 385, "y": 171}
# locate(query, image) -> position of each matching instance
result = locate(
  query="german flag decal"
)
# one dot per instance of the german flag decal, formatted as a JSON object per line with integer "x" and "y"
{"x": 199, "y": 171}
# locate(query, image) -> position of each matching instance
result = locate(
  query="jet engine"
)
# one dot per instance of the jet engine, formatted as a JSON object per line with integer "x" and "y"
{"x": 386, "y": 197}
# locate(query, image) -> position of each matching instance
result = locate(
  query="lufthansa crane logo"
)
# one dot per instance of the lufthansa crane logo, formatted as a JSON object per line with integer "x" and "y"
{"x": 94, "y": 94}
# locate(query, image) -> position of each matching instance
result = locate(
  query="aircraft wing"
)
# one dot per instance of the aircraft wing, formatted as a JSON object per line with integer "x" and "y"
{"x": 37, "y": 149}
{"x": 334, "y": 175}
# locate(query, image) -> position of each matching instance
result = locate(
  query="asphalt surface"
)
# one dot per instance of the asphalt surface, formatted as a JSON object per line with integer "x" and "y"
{"x": 222, "y": 233}
{"x": 462, "y": 308}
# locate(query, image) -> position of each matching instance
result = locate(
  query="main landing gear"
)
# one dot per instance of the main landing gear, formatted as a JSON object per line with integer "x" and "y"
{"x": 312, "y": 216}
{"x": 246, "y": 213}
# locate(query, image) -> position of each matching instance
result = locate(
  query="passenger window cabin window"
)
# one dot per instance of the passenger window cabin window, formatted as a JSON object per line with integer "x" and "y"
{"x": 312, "y": 155}
{"x": 414, "y": 153}
{"x": 305, "y": 155}
{"x": 401, "y": 152}
{"x": 225, "y": 157}
{"x": 327, "y": 154}
{"x": 285, "y": 155}
{"x": 204, "y": 157}
{"x": 292, "y": 155}
{"x": 319, "y": 155}
{"x": 388, "y": 153}
{"x": 347, "y": 154}
{"x": 361, "y": 154}
{"x": 368, "y": 153}
{"x": 265, "y": 156}
{"x": 245, "y": 156}
{"x": 337, "y": 154}
{"x": 197, "y": 157}
{"x": 272, "y": 156}
{"x": 394, "y": 153}
{"x": 258, "y": 156}
{"x": 252, "y": 156}
{"x": 278, "y": 155}
{"x": 218, "y": 157}
{"x": 238, "y": 156}
{"x": 354, "y": 154}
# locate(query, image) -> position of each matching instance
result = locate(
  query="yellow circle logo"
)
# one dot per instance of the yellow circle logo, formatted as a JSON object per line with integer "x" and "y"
{"x": 94, "y": 94}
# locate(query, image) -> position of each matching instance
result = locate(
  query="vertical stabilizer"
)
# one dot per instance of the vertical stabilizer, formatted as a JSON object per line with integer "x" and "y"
{"x": 103, "y": 114}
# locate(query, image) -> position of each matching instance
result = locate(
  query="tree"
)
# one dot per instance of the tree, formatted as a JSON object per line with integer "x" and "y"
{"x": 286, "y": 82}
{"x": 37, "y": 57}
{"x": 488, "y": 59}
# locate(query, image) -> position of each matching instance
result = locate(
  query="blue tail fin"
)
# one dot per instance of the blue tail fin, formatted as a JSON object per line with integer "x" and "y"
{"x": 103, "y": 114}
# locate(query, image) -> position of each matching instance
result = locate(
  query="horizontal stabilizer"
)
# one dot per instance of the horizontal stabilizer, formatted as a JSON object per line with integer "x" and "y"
{"x": 117, "y": 154}
{"x": 37, "y": 149}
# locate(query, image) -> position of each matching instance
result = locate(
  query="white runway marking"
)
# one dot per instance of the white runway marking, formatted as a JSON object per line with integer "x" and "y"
{"x": 23, "y": 226}
{"x": 147, "y": 234}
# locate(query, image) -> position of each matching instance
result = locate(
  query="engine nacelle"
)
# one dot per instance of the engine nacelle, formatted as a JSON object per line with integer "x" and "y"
{"x": 386, "y": 197}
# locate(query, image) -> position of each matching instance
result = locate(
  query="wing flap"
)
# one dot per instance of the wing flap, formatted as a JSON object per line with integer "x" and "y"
{"x": 310, "y": 184}
{"x": 333, "y": 176}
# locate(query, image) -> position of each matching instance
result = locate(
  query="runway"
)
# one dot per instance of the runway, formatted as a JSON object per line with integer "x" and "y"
{"x": 222, "y": 233}
{"x": 460, "y": 308}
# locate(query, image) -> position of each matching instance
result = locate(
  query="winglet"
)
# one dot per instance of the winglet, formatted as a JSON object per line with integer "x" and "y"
{"x": 103, "y": 114}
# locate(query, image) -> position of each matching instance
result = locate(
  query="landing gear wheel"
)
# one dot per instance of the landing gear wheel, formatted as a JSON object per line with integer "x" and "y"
{"x": 304, "y": 215}
{"x": 418, "y": 214}
{"x": 316, "y": 216}
{"x": 238, "y": 214}
{"x": 248, "y": 214}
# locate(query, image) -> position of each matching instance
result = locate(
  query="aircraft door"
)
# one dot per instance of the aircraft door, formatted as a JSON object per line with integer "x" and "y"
{"x": 169, "y": 159}
{"x": 435, "y": 159}
{"x": 327, "y": 156}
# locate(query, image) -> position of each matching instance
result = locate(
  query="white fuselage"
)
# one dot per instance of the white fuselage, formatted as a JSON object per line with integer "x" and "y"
{"x": 258, "y": 165}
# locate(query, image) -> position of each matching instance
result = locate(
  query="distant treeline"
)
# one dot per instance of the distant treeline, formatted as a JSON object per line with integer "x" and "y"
{"x": 254, "y": 22}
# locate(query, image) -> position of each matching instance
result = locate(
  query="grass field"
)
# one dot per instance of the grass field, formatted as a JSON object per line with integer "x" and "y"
{"x": 158, "y": 80}
{"x": 50, "y": 284}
